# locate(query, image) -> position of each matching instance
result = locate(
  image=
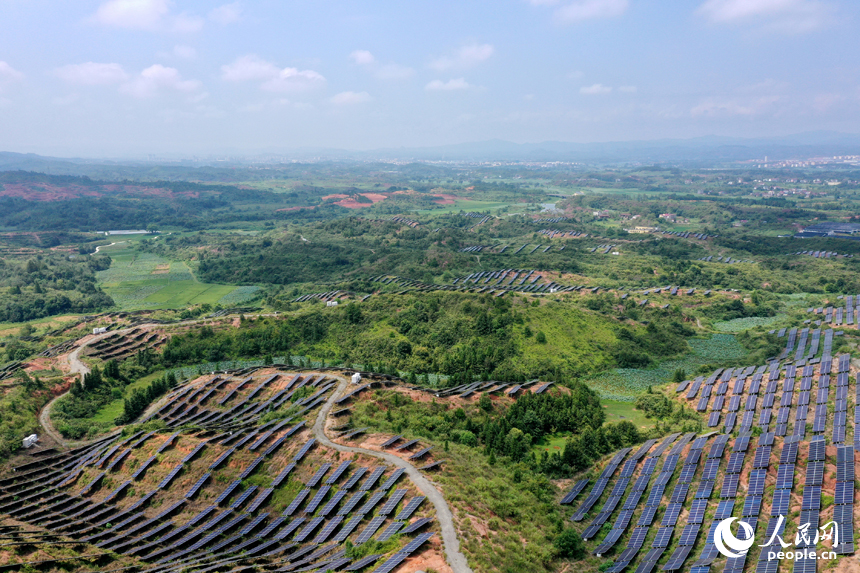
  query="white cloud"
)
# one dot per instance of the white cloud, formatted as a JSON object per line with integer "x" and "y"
{"x": 273, "y": 78}
{"x": 466, "y": 57}
{"x": 184, "y": 52}
{"x": 628, "y": 89}
{"x": 362, "y": 57}
{"x": 384, "y": 72}
{"x": 349, "y": 98}
{"x": 92, "y": 74}
{"x": 713, "y": 107}
{"x": 152, "y": 15}
{"x": 226, "y": 14}
{"x": 154, "y": 79}
{"x": 450, "y": 85}
{"x": 65, "y": 100}
{"x": 8, "y": 73}
{"x": 595, "y": 89}
{"x": 394, "y": 72}
{"x": 793, "y": 16}
{"x": 580, "y": 10}
{"x": 249, "y": 68}
{"x": 293, "y": 79}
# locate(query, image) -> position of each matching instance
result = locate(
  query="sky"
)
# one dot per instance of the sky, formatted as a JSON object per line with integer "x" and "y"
{"x": 128, "y": 78}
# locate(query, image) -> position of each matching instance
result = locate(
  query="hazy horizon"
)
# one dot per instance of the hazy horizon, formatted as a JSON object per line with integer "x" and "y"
{"x": 125, "y": 78}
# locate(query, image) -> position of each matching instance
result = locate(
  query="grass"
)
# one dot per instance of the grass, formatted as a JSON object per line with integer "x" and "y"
{"x": 138, "y": 281}
{"x": 617, "y": 411}
{"x": 109, "y": 412}
{"x": 625, "y": 384}
{"x": 468, "y": 205}
{"x": 741, "y": 324}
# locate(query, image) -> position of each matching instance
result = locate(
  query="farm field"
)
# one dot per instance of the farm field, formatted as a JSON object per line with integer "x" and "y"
{"x": 470, "y": 205}
{"x": 146, "y": 281}
{"x": 624, "y": 384}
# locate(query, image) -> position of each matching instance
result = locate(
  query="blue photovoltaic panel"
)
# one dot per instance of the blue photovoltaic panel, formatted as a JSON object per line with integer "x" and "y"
{"x": 752, "y": 505}
{"x": 736, "y": 462}
{"x": 697, "y": 511}
{"x": 814, "y": 473}
{"x": 670, "y": 518}
{"x": 351, "y": 503}
{"x": 328, "y": 529}
{"x": 724, "y": 510}
{"x": 332, "y": 503}
{"x": 664, "y": 534}
{"x": 317, "y": 499}
{"x": 812, "y": 497}
{"x": 762, "y": 457}
{"x": 756, "y": 482}
{"x": 781, "y": 501}
{"x": 409, "y": 508}
{"x": 297, "y": 501}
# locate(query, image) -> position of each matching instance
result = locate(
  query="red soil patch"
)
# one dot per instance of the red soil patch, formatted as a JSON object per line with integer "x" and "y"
{"x": 48, "y": 192}
{"x": 349, "y": 202}
{"x": 445, "y": 199}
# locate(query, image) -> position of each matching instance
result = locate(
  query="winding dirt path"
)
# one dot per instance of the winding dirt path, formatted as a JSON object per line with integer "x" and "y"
{"x": 455, "y": 558}
{"x": 76, "y": 366}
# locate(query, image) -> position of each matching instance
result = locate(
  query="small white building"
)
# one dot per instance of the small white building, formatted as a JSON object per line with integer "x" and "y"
{"x": 100, "y": 330}
{"x": 331, "y": 303}
{"x": 30, "y": 441}
{"x": 356, "y": 378}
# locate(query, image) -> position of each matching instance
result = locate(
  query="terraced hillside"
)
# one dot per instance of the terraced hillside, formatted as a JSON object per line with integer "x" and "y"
{"x": 228, "y": 474}
{"x": 781, "y": 455}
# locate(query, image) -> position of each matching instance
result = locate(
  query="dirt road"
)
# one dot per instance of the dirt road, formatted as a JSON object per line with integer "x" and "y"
{"x": 455, "y": 558}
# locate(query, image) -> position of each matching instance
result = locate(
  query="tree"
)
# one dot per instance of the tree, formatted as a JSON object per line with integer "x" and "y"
{"x": 568, "y": 544}
{"x": 541, "y": 337}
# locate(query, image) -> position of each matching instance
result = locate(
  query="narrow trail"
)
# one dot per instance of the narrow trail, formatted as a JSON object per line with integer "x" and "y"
{"x": 455, "y": 558}
{"x": 76, "y": 366}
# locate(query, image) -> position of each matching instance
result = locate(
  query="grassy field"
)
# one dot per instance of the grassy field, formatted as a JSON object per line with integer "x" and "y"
{"x": 469, "y": 205}
{"x": 625, "y": 384}
{"x": 145, "y": 281}
{"x": 617, "y": 411}
{"x": 109, "y": 412}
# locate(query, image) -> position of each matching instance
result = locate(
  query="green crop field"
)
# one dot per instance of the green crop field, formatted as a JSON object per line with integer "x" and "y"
{"x": 624, "y": 384}
{"x": 468, "y": 205}
{"x": 138, "y": 280}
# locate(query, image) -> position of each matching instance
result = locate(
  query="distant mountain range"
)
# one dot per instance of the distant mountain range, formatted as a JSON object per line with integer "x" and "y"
{"x": 696, "y": 152}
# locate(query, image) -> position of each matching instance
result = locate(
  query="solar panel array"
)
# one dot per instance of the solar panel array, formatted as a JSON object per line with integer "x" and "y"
{"x": 240, "y": 528}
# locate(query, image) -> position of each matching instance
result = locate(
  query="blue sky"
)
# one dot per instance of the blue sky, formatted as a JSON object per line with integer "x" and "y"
{"x": 121, "y": 78}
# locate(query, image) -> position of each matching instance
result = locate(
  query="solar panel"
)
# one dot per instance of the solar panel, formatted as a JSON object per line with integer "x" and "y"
{"x": 332, "y": 503}
{"x": 752, "y": 505}
{"x": 328, "y": 529}
{"x": 416, "y": 525}
{"x": 338, "y": 472}
{"x": 781, "y": 502}
{"x": 317, "y": 499}
{"x": 756, "y": 483}
{"x": 762, "y": 457}
{"x": 317, "y": 477}
{"x": 297, "y": 501}
{"x": 348, "y": 528}
{"x": 670, "y": 517}
{"x": 351, "y": 503}
{"x": 372, "y": 479}
{"x": 194, "y": 488}
{"x": 724, "y": 510}
{"x": 664, "y": 534}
